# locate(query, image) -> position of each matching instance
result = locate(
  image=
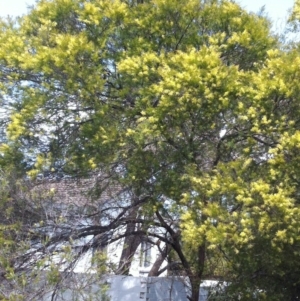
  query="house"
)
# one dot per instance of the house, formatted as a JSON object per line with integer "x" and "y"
{"x": 70, "y": 205}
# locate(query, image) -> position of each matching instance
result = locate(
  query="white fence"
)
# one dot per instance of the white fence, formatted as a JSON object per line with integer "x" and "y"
{"x": 127, "y": 288}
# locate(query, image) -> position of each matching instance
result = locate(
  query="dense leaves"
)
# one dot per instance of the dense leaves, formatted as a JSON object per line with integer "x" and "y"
{"x": 190, "y": 106}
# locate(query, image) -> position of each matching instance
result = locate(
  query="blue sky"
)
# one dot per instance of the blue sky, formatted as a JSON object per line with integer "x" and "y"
{"x": 277, "y": 9}
{"x": 14, "y": 7}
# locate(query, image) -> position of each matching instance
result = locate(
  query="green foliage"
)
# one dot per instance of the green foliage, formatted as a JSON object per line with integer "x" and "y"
{"x": 192, "y": 103}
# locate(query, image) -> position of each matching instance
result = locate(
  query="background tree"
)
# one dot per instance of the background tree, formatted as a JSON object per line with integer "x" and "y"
{"x": 187, "y": 109}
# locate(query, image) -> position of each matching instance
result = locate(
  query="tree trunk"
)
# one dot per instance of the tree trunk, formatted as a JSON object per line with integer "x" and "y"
{"x": 195, "y": 288}
{"x": 154, "y": 272}
{"x": 197, "y": 277}
{"x": 131, "y": 243}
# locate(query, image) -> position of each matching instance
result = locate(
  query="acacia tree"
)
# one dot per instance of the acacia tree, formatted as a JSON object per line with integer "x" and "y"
{"x": 189, "y": 107}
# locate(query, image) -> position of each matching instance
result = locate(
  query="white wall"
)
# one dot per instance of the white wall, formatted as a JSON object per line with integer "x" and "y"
{"x": 114, "y": 251}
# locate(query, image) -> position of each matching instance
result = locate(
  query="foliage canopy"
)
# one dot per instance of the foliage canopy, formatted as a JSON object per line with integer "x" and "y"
{"x": 192, "y": 106}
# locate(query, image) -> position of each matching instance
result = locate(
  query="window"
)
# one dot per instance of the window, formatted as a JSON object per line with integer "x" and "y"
{"x": 145, "y": 254}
